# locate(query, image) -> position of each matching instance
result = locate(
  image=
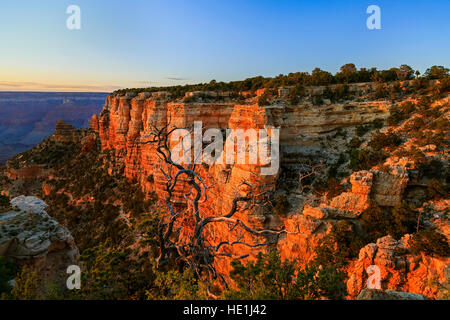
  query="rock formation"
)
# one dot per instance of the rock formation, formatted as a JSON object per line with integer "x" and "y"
{"x": 385, "y": 188}
{"x": 369, "y": 294}
{"x": 126, "y": 121}
{"x": 400, "y": 269}
{"x": 66, "y": 133}
{"x": 28, "y": 235}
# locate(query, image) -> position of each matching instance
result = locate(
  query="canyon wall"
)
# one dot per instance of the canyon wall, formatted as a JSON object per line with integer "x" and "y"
{"x": 126, "y": 121}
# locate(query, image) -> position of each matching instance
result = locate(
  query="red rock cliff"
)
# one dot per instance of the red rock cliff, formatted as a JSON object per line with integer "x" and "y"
{"x": 125, "y": 121}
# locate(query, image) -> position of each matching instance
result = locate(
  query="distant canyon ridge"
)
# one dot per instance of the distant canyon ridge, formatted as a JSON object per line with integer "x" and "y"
{"x": 26, "y": 118}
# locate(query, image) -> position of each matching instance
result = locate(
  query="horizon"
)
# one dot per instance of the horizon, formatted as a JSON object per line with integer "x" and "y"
{"x": 185, "y": 84}
{"x": 157, "y": 43}
{"x": 61, "y": 92}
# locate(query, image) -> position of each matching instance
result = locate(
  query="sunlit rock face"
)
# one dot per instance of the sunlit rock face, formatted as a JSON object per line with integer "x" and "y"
{"x": 64, "y": 132}
{"x": 126, "y": 121}
{"x": 400, "y": 269}
{"x": 384, "y": 188}
{"x": 28, "y": 235}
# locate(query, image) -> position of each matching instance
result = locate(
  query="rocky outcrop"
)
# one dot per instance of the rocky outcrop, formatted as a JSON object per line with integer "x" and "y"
{"x": 66, "y": 133}
{"x": 371, "y": 294}
{"x": 94, "y": 123}
{"x": 355, "y": 202}
{"x": 29, "y": 172}
{"x": 384, "y": 188}
{"x": 28, "y": 235}
{"x": 399, "y": 269}
{"x": 303, "y": 238}
{"x": 388, "y": 187}
{"x": 88, "y": 143}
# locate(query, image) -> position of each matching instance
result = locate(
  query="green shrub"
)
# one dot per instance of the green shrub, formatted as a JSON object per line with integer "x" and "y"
{"x": 435, "y": 190}
{"x": 27, "y": 284}
{"x": 362, "y": 130}
{"x": 437, "y": 72}
{"x": 430, "y": 242}
{"x": 407, "y": 108}
{"x": 111, "y": 273}
{"x": 364, "y": 159}
{"x": 281, "y": 205}
{"x": 315, "y": 282}
{"x": 7, "y": 272}
{"x": 381, "y": 91}
{"x": 341, "y": 91}
{"x": 415, "y": 125}
{"x": 441, "y": 88}
{"x": 433, "y": 168}
{"x": 4, "y": 201}
{"x": 377, "y": 124}
{"x": 419, "y": 84}
{"x": 296, "y": 93}
{"x": 395, "y": 116}
{"x": 263, "y": 100}
{"x": 425, "y": 138}
{"x": 176, "y": 285}
{"x": 270, "y": 278}
{"x": 387, "y": 140}
{"x": 379, "y": 222}
{"x": 441, "y": 124}
{"x": 355, "y": 143}
{"x": 339, "y": 246}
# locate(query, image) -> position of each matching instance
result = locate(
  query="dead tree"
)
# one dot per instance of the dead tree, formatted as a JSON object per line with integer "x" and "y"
{"x": 308, "y": 173}
{"x": 198, "y": 253}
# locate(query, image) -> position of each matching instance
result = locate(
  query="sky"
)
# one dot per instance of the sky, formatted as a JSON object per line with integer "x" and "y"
{"x": 141, "y": 43}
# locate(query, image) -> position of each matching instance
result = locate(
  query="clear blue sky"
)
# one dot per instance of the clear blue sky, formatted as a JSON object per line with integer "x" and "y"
{"x": 137, "y": 43}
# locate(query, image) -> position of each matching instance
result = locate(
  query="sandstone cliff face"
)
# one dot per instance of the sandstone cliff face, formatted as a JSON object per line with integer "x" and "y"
{"x": 314, "y": 223}
{"x": 400, "y": 270}
{"x": 28, "y": 235}
{"x": 385, "y": 188}
{"x": 66, "y": 133}
{"x": 126, "y": 121}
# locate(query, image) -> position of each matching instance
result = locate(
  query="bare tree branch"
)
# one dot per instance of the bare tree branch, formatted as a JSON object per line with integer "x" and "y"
{"x": 197, "y": 253}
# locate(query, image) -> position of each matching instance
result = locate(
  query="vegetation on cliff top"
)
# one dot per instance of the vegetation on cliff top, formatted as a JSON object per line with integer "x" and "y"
{"x": 347, "y": 74}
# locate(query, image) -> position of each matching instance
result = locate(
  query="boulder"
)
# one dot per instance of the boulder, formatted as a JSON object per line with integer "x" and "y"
{"x": 29, "y": 235}
{"x": 316, "y": 213}
{"x": 372, "y": 294}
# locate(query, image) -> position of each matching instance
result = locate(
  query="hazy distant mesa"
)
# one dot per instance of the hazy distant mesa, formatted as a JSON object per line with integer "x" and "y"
{"x": 48, "y": 87}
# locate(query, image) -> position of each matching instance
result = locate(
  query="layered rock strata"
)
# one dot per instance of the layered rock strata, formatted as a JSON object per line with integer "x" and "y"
{"x": 126, "y": 121}
{"x": 28, "y": 235}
